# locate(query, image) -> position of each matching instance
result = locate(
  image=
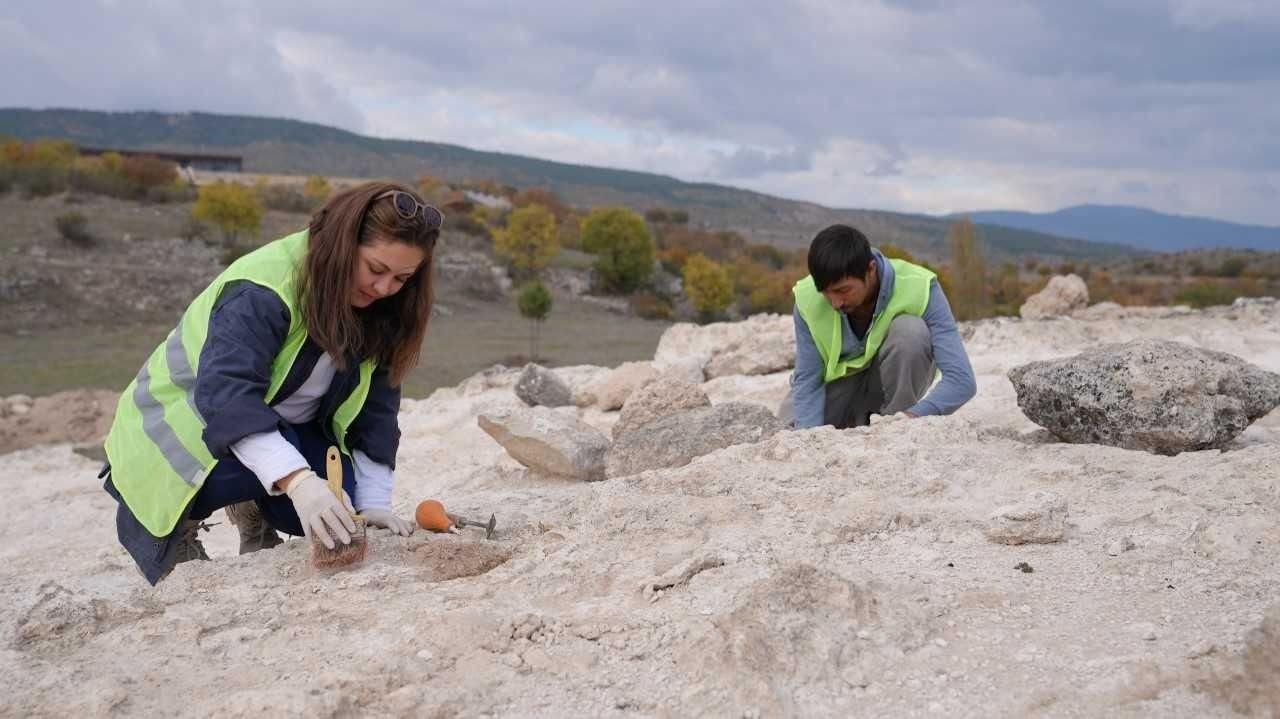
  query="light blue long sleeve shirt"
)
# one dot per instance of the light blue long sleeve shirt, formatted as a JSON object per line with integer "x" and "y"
{"x": 956, "y": 387}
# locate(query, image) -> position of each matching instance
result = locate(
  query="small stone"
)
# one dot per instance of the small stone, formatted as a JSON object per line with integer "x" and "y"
{"x": 1120, "y": 546}
{"x": 1202, "y": 648}
{"x": 1040, "y": 518}
{"x": 1144, "y": 630}
{"x": 424, "y": 654}
{"x": 539, "y": 386}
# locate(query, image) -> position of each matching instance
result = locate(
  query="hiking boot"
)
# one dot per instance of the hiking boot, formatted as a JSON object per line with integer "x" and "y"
{"x": 189, "y": 546}
{"x": 255, "y": 533}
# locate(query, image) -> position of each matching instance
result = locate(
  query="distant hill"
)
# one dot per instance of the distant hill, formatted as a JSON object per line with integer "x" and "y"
{"x": 1138, "y": 227}
{"x": 290, "y": 146}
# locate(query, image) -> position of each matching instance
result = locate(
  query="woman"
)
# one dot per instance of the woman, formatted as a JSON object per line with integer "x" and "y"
{"x": 297, "y": 346}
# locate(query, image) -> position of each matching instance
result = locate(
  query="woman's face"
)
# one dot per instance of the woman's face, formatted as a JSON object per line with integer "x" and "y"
{"x": 382, "y": 268}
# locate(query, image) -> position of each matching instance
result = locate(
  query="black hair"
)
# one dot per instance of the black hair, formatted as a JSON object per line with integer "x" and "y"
{"x": 837, "y": 252}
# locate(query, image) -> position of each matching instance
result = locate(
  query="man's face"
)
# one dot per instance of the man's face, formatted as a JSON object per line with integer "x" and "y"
{"x": 850, "y": 292}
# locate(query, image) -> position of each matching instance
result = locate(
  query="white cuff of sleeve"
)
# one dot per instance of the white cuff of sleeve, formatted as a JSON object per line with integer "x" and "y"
{"x": 270, "y": 457}
{"x": 374, "y": 482}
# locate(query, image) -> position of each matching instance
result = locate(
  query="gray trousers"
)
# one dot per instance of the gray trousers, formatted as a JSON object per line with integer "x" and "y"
{"x": 898, "y": 377}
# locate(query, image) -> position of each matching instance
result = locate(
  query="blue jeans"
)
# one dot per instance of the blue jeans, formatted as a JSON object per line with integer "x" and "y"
{"x": 230, "y": 482}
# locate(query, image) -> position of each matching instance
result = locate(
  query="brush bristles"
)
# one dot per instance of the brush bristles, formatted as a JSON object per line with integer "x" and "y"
{"x": 341, "y": 555}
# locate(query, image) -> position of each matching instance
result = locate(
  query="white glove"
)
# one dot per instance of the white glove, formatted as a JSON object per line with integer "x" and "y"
{"x": 323, "y": 516}
{"x": 387, "y": 519}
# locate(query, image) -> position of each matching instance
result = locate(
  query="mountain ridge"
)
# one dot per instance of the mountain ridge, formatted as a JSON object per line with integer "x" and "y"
{"x": 1137, "y": 226}
{"x": 280, "y": 145}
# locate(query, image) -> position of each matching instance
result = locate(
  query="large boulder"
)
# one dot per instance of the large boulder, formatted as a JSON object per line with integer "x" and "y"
{"x": 1155, "y": 395}
{"x": 676, "y": 439}
{"x": 661, "y": 397}
{"x": 612, "y": 390}
{"x": 1063, "y": 295}
{"x": 548, "y": 441}
{"x": 761, "y": 344}
{"x": 539, "y": 386}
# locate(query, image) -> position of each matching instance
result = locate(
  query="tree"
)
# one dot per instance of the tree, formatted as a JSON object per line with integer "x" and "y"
{"x": 534, "y": 302}
{"x": 546, "y": 198}
{"x": 233, "y": 208}
{"x": 316, "y": 190}
{"x": 707, "y": 284}
{"x": 622, "y": 245}
{"x": 968, "y": 291}
{"x": 529, "y": 241}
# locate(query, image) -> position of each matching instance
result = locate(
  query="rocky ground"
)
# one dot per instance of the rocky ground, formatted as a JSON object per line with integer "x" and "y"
{"x": 815, "y": 572}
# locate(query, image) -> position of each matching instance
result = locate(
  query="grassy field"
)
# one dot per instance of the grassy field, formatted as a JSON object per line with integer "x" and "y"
{"x": 75, "y": 317}
{"x": 458, "y": 346}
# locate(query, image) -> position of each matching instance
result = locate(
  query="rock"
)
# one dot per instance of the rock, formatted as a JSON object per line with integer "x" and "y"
{"x": 674, "y": 440}
{"x": 539, "y": 386}
{"x": 548, "y": 441}
{"x": 1155, "y": 395}
{"x": 1120, "y": 546}
{"x": 1041, "y": 518}
{"x": 659, "y": 398}
{"x": 1063, "y": 295}
{"x": 1144, "y": 630}
{"x": 761, "y": 344}
{"x": 753, "y": 356}
{"x": 612, "y": 391}
{"x": 688, "y": 369}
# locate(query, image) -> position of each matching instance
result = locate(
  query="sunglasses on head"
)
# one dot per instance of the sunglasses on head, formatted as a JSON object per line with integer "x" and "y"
{"x": 408, "y": 207}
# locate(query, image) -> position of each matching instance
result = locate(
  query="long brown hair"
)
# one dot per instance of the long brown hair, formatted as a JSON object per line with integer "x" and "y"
{"x": 390, "y": 330}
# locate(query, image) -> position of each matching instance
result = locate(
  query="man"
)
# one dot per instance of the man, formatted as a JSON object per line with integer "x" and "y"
{"x": 871, "y": 333}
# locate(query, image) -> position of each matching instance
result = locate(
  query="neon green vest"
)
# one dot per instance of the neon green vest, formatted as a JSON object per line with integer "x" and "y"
{"x": 156, "y": 448}
{"x": 910, "y": 296}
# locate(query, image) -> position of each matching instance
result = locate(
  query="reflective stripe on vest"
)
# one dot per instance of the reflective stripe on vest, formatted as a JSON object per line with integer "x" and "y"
{"x": 910, "y": 296}
{"x": 156, "y": 447}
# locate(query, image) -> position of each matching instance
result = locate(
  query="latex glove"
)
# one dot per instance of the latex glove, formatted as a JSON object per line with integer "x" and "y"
{"x": 323, "y": 516}
{"x": 387, "y": 519}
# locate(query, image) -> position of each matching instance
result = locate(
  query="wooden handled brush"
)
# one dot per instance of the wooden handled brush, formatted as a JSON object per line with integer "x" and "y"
{"x": 342, "y": 554}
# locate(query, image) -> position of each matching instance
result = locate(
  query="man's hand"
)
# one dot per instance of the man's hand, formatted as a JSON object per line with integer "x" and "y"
{"x": 323, "y": 516}
{"x": 387, "y": 519}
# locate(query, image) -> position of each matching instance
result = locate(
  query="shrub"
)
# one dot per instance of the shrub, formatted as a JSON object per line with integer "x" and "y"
{"x": 74, "y": 227}
{"x": 673, "y": 259}
{"x": 656, "y": 216}
{"x": 529, "y": 240}
{"x": 623, "y": 248}
{"x": 534, "y": 303}
{"x": 1206, "y": 294}
{"x": 146, "y": 172}
{"x": 282, "y": 198}
{"x": 316, "y": 190}
{"x": 467, "y": 225}
{"x": 1232, "y": 267}
{"x": 649, "y": 306}
{"x": 967, "y": 292}
{"x": 708, "y": 285}
{"x": 232, "y": 208}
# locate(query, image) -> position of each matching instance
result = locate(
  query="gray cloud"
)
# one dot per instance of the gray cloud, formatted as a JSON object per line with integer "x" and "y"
{"x": 1157, "y": 93}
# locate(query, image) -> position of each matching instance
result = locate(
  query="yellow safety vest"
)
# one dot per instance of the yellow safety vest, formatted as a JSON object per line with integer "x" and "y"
{"x": 156, "y": 447}
{"x": 910, "y": 296}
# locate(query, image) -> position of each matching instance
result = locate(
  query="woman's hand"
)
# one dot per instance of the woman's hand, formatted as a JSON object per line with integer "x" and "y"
{"x": 323, "y": 516}
{"x": 387, "y": 519}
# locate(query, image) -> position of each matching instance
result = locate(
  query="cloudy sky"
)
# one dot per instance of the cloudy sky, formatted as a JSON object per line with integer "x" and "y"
{"x": 912, "y": 105}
